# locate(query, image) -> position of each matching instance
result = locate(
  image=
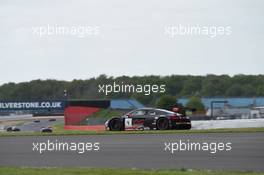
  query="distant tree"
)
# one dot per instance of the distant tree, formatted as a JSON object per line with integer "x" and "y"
{"x": 235, "y": 90}
{"x": 166, "y": 102}
{"x": 213, "y": 85}
{"x": 144, "y": 99}
{"x": 249, "y": 91}
{"x": 192, "y": 86}
{"x": 195, "y": 103}
{"x": 176, "y": 85}
{"x": 260, "y": 90}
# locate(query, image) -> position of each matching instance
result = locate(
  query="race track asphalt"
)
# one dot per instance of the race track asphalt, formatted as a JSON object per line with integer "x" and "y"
{"x": 36, "y": 126}
{"x": 139, "y": 151}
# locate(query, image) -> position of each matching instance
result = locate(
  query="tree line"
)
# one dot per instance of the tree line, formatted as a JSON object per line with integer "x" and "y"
{"x": 176, "y": 85}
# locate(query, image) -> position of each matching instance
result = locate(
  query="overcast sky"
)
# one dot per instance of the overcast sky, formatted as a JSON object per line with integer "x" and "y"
{"x": 131, "y": 39}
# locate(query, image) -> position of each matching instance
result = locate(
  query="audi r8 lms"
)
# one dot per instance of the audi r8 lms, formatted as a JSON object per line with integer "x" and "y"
{"x": 46, "y": 129}
{"x": 148, "y": 119}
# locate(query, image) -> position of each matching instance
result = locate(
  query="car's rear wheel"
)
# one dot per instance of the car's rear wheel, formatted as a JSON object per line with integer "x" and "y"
{"x": 163, "y": 123}
{"x": 116, "y": 124}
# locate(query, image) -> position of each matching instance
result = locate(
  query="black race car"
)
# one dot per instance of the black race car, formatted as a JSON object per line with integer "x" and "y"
{"x": 148, "y": 118}
{"x": 12, "y": 128}
{"x": 46, "y": 129}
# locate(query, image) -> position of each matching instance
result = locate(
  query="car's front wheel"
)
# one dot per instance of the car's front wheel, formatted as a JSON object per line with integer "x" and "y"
{"x": 163, "y": 123}
{"x": 116, "y": 124}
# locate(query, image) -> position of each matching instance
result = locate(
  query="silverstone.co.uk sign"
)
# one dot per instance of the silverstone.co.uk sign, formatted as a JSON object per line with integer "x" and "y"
{"x": 32, "y": 105}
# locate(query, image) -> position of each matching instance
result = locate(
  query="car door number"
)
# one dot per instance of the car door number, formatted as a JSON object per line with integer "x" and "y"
{"x": 128, "y": 122}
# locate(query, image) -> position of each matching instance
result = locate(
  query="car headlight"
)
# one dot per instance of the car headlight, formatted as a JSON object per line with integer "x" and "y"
{"x": 106, "y": 123}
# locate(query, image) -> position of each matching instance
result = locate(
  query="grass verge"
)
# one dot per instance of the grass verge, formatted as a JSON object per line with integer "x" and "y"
{"x": 58, "y": 130}
{"x": 104, "y": 171}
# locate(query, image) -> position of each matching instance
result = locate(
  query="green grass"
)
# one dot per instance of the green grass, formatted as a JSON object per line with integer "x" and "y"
{"x": 58, "y": 130}
{"x": 104, "y": 171}
{"x": 106, "y": 113}
{"x": 100, "y": 117}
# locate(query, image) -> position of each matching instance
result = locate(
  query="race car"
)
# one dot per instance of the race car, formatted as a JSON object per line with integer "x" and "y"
{"x": 148, "y": 119}
{"x": 46, "y": 129}
{"x": 12, "y": 128}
